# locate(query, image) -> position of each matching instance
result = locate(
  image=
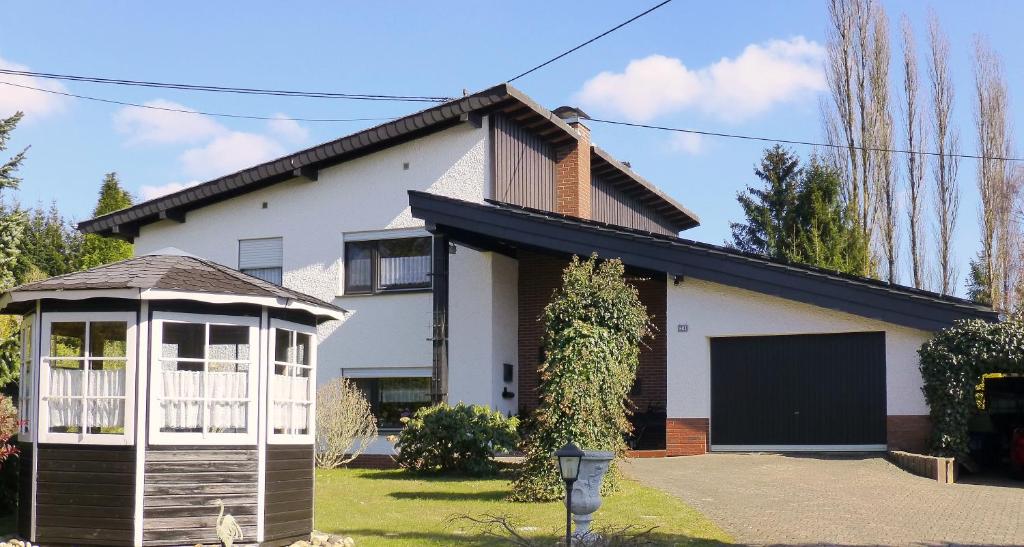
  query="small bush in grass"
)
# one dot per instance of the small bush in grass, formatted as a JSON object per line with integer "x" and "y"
{"x": 460, "y": 438}
{"x": 345, "y": 424}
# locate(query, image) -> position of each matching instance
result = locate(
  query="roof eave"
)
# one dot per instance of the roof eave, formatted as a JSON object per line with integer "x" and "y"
{"x": 677, "y": 256}
{"x": 125, "y": 223}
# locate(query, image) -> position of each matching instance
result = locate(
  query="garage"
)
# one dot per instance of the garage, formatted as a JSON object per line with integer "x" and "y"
{"x": 798, "y": 392}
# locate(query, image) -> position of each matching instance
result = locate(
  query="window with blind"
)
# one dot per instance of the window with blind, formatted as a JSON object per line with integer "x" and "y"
{"x": 292, "y": 386}
{"x": 262, "y": 258}
{"x": 394, "y": 398}
{"x": 86, "y": 369}
{"x": 387, "y": 265}
{"x": 203, "y": 379}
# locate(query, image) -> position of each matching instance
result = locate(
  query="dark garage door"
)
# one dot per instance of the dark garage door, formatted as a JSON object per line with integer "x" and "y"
{"x": 798, "y": 391}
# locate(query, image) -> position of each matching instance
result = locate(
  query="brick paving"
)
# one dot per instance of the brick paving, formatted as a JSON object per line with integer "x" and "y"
{"x": 836, "y": 500}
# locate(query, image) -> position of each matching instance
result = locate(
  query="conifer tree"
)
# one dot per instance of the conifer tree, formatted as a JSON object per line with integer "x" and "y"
{"x": 98, "y": 250}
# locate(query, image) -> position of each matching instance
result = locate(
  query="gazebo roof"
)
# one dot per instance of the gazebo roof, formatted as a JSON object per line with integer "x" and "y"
{"x": 173, "y": 275}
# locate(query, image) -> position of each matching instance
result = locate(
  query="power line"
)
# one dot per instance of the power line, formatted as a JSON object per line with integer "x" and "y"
{"x": 184, "y": 111}
{"x": 226, "y": 89}
{"x": 807, "y": 143}
{"x": 590, "y": 41}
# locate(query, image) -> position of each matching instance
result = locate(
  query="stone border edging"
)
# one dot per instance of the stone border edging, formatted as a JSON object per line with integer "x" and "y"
{"x": 940, "y": 469}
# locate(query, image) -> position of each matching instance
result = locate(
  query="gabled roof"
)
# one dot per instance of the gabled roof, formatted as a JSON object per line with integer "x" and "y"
{"x": 169, "y": 275}
{"x": 504, "y": 227}
{"x": 502, "y": 98}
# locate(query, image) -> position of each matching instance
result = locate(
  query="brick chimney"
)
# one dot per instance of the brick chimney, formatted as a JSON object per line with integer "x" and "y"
{"x": 572, "y": 167}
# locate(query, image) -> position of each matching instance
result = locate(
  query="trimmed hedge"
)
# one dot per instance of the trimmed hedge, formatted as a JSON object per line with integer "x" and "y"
{"x": 952, "y": 365}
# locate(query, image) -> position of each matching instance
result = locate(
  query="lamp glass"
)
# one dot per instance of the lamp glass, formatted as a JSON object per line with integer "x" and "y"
{"x": 570, "y": 467}
{"x": 569, "y": 457}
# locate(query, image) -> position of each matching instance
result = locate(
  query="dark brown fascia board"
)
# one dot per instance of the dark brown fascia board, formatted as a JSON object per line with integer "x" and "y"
{"x": 675, "y": 256}
{"x": 682, "y": 216}
{"x": 125, "y": 223}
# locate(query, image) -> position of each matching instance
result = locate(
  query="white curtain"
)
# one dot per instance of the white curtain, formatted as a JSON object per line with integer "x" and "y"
{"x": 403, "y": 393}
{"x": 63, "y": 383}
{"x": 288, "y": 416}
{"x": 404, "y": 270}
{"x": 106, "y": 412}
{"x": 230, "y": 415}
{"x": 187, "y": 412}
{"x": 66, "y": 412}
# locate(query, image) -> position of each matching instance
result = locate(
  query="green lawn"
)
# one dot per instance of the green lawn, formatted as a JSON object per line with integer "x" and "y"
{"x": 397, "y": 508}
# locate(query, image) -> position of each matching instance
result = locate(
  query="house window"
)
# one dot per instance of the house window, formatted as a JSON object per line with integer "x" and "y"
{"x": 293, "y": 382}
{"x": 387, "y": 265}
{"x": 203, "y": 378}
{"x": 25, "y": 378}
{"x": 86, "y": 370}
{"x": 262, "y": 258}
{"x": 394, "y": 398}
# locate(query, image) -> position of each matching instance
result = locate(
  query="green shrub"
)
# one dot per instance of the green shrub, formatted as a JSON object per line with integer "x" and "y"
{"x": 593, "y": 328}
{"x": 952, "y": 364}
{"x": 460, "y": 438}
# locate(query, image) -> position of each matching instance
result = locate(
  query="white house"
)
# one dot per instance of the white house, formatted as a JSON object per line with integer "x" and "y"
{"x": 445, "y": 232}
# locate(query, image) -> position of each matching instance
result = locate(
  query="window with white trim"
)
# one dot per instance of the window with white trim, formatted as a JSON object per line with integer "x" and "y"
{"x": 293, "y": 382}
{"x": 25, "y": 378}
{"x": 262, "y": 258}
{"x": 86, "y": 375}
{"x": 204, "y": 378}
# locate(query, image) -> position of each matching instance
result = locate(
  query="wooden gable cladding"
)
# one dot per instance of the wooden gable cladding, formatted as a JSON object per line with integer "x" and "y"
{"x": 523, "y": 163}
{"x": 181, "y": 483}
{"x": 85, "y": 495}
{"x": 288, "y": 514}
{"x": 613, "y": 204}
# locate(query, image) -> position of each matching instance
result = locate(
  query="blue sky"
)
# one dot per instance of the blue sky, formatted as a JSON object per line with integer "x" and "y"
{"x": 708, "y": 60}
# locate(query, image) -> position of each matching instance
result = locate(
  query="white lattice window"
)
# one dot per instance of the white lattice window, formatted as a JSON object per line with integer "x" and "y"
{"x": 292, "y": 382}
{"x": 86, "y": 380}
{"x": 203, "y": 379}
{"x": 25, "y": 380}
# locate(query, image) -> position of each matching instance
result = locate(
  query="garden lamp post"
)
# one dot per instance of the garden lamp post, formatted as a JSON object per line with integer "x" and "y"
{"x": 569, "y": 457}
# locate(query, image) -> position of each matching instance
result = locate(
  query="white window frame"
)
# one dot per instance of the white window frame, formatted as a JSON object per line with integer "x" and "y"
{"x": 156, "y": 417}
{"x": 248, "y": 267}
{"x": 26, "y": 372}
{"x": 290, "y": 438}
{"x": 43, "y": 431}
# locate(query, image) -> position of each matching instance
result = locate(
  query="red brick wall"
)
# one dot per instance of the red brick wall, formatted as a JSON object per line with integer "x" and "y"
{"x": 908, "y": 433}
{"x": 572, "y": 176}
{"x": 539, "y": 276}
{"x": 686, "y": 436}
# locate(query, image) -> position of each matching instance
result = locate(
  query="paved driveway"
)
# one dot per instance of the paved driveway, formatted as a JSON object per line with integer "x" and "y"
{"x": 836, "y": 500}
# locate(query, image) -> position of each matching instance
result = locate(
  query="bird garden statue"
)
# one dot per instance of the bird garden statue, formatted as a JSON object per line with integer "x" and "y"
{"x": 228, "y": 530}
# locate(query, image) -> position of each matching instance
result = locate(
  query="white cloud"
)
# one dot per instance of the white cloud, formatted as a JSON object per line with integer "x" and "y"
{"x": 148, "y": 126}
{"x": 229, "y": 153}
{"x": 35, "y": 104}
{"x": 153, "y": 192}
{"x": 287, "y": 129}
{"x": 688, "y": 143}
{"x": 761, "y": 77}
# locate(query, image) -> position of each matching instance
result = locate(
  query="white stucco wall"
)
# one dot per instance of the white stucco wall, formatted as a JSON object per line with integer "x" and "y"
{"x": 365, "y": 194}
{"x": 483, "y": 328}
{"x": 711, "y": 310}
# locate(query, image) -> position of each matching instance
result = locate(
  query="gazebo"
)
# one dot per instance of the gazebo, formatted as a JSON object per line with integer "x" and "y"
{"x": 157, "y": 388}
